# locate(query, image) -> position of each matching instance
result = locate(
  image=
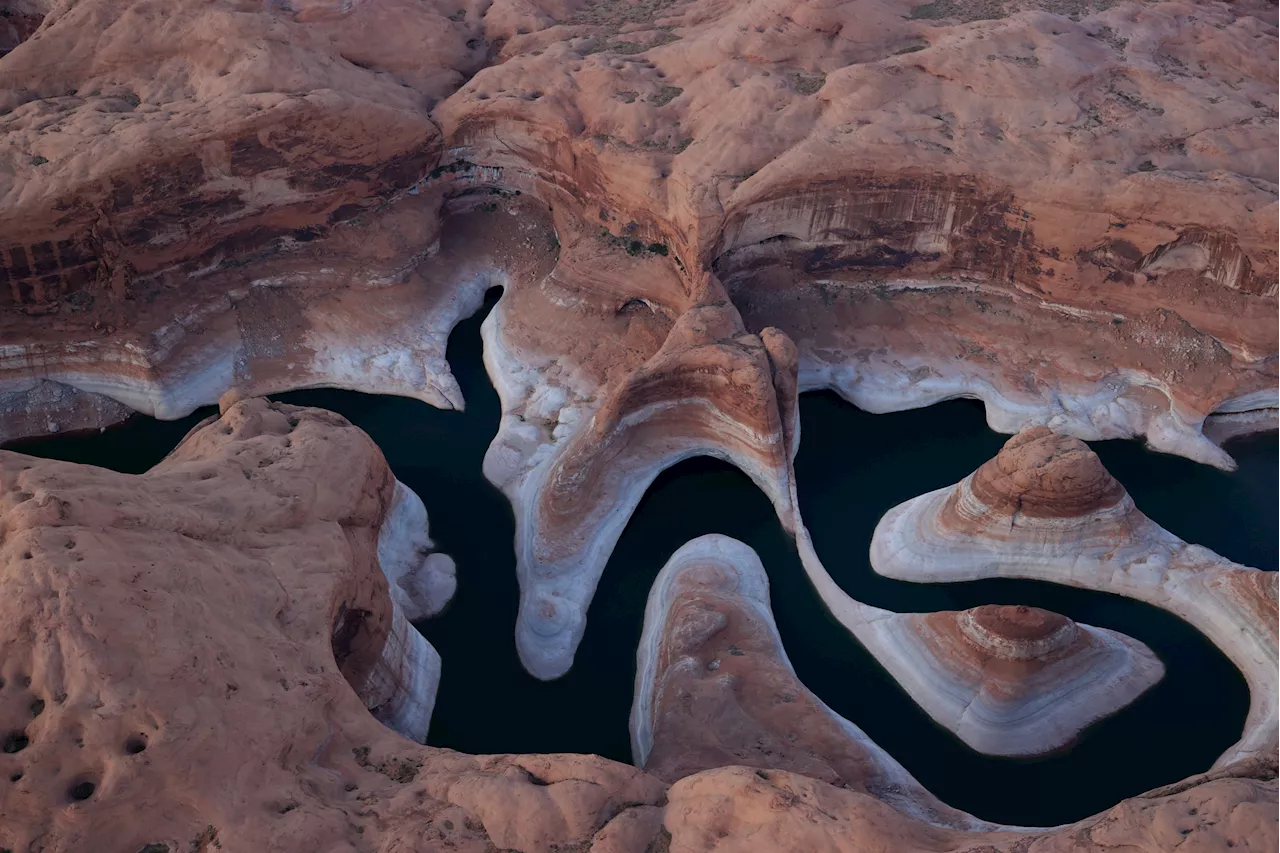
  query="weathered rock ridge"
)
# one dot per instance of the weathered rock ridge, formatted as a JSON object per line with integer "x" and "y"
{"x": 708, "y": 390}
{"x": 1068, "y": 212}
{"x": 190, "y": 644}
{"x": 1046, "y": 508}
{"x": 688, "y": 228}
{"x": 695, "y": 210}
{"x": 1013, "y": 680}
{"x": 714, "y": 688}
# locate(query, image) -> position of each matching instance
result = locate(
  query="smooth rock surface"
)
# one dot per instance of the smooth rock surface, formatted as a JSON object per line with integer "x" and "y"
{"x": 421, "y": 582}
{"x": 180, "y": 641}
{"x": 1012, "y": 680}
{"x": 575, "y": 475}
{"x": 931, "y": 204}
{"x": 714, "y": 688}
{"x": 1065, "y": 210}
{"x": 1045, "y": 508}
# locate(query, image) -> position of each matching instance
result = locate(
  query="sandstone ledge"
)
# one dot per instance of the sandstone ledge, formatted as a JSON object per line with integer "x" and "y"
{"x": 1085, "y": 531}
{"x": 1013, "y": 681}
{"x": 187, "y": 645}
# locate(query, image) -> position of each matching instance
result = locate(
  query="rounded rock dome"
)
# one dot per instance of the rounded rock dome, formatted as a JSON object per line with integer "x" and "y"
{"x": 1014, "y": 632}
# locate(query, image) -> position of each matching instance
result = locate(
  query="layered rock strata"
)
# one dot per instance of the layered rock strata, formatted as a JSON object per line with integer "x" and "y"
{"x": 421, "y": 580}
{"x": 1046, "y": 508}
{"x": 949, "y": 262}
{"x": 168, "y": 638}
{"x": 996, "y": 238}
{"x": 575, "y": 473}
{"x": 223, "y": 623}
{"x": 389, "y": 663}
{"x": 166, "y": 151}
{"x": 714, "y": 688}
{"x": 1013, "y": 680}
{"x": 355, "y": 311}
{"x": 664, "y": 204}
{"x": 420, "y": 583}
{"x": 1068, "y": 212}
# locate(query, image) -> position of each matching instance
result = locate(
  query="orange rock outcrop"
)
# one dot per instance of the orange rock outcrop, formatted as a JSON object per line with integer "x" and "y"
{"x": 1046, "y": 508}
{"x": 695, "y": 210}
{"x": 180, "y": 645}
{"x": 1012, "y": 680}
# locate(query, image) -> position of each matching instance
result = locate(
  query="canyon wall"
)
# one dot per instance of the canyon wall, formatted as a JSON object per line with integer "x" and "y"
{"x": 695, "y": 211}
{"x": 1046, "y": 508}
{"x": 1065, "y": 210}
{"x": 198, "y": 644}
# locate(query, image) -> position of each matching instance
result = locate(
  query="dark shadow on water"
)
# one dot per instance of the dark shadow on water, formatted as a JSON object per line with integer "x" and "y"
{"x": 1235, "y": 514}
{"x": 852, "y": 467}
{"x": 133, "y": 447}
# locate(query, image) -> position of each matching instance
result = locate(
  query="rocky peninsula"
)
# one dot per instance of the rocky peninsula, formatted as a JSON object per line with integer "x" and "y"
{"x": 1013, "y": 680}
{"x": 222, "y": 623}
{"x": 1046, "y": 508}
{"x": 714, "y": 688}
{"x": 695, "y": 211}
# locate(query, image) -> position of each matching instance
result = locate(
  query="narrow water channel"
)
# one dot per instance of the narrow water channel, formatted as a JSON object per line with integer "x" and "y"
{"x": 852, "y": 467}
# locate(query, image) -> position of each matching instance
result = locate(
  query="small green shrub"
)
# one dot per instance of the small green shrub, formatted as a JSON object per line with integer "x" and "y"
{"x": 666, "y": 95}
{"x": 963, "y": 10}
{"x": 808, "y": 84}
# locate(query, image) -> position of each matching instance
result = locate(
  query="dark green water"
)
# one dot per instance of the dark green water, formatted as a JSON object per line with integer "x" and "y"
{"x": 852, "y": 467}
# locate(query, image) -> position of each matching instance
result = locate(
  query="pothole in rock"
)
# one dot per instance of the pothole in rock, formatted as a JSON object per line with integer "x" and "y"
{"x": 15, "y": 742}
{"x": 81, "y": 791}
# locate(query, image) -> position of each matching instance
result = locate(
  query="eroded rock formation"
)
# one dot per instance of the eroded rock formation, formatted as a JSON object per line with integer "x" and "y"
{"x": 695, "y": 210}
{"x": 714, "y": 688}
{"x": 390, "y": 664}
{"x": 421, "y": 580}
{"x": 222, "y": 623}
{"x": 198, "y": 630}
{"x": 1046, "y": 508}
{"x": 930, "y": 202}
{"x": 1012, "y": 680}
{"x": 1006, "y": 680}
{"x": 576, "y": 473}
{"x": 927, "y": 270}
{"x": 664, "y": 203}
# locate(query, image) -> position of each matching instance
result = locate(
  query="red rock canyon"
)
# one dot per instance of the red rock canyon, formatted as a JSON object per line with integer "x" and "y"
{"x": 695, "y": 211}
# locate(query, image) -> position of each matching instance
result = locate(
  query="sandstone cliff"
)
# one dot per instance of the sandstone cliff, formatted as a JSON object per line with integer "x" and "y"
{"x": 1045, "y": 508}
{"x": 695, "y": 210}
{"x": 189, "y": 645}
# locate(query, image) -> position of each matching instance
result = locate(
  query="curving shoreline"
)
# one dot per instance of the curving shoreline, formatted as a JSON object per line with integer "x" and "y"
{"x": 712, "y": 592}
{"x": 685, "y": 798}
{"x": 1097, "y": 540}
{"x": 1002, "y": 695}
{"x": 695, "y": 210}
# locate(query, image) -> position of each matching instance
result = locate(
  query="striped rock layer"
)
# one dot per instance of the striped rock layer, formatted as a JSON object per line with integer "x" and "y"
{"x": 1045, "y": 508}
{"x": 1012, "y": 680}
